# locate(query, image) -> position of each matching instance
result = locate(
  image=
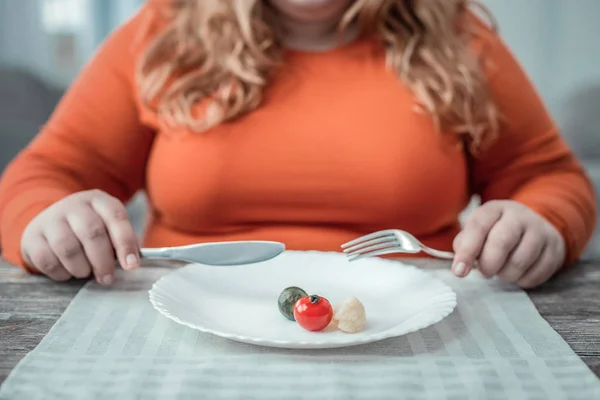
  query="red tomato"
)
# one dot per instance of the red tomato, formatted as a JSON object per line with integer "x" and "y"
{"x": 313, "y": 313}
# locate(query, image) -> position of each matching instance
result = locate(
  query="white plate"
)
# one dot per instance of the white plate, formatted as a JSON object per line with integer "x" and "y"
{"x": 240, "y": 303}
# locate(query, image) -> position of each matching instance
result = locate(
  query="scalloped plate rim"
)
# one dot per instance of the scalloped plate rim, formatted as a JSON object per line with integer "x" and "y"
{"x": 299, "y": 345}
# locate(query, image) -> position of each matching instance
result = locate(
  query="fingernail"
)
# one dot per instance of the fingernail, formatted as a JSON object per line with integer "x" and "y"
{"x": 106, "y": 279}
{"x": 132, "y": 261}
{"x": 460, "y": 269}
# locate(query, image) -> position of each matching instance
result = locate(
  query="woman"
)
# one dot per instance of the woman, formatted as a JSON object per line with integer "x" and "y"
{"x": 262, "y": 120}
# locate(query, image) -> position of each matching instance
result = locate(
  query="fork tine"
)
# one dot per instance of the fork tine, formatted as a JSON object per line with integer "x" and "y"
{"x": 387, "y": 245}
{"x": 373, "y": 235}
{"x": 369, "y": 243}
{"x": 390, "y": 250}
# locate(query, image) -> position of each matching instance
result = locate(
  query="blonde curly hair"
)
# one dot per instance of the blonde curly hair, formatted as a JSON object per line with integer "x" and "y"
{"x": 224, "y": 53}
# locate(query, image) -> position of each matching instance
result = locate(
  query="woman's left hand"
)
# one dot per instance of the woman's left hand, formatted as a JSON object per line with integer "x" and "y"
{"x": 507, "y": 239}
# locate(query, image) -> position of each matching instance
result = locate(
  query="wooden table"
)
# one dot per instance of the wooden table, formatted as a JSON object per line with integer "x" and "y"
{"x": 29, "y": 306}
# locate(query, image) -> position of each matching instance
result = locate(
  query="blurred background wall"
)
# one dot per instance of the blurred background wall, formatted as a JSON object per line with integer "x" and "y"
{"x": 44, "y": 43}
{"x": 54, "y": 38}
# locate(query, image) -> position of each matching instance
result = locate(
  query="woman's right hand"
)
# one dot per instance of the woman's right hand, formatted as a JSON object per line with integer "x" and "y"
{"x": 79, "y": 236}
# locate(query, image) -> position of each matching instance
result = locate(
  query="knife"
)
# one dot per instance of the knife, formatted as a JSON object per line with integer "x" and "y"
{"x": 218, "y": 253}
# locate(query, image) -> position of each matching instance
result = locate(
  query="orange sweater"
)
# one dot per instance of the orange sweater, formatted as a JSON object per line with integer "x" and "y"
{"x": 335, "y": 151}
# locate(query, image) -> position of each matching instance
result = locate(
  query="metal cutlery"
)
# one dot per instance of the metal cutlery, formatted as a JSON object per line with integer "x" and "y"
{"x": 389, "y": 242}
{"x": 218, "y": 253}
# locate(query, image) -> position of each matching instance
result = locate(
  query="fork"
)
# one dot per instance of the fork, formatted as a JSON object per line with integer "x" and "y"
{"x": 388, "y": 242}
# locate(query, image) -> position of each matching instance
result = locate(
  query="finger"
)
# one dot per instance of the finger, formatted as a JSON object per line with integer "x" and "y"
{"x": 91, "y": 232}
{"x": 68, "y": 249}
{"x": 457, "y": 241}
{"x": 502, "y": 239}
{"x": 41, "y": 257}
{"x": 543, "y": 268}
{"x": 523, "y": 257}
{"x": 121, "y": 233}
{"x": 472, "y": 238}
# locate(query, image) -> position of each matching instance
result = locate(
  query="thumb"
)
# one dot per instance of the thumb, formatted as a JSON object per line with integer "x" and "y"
{"x": 469, "y": 243}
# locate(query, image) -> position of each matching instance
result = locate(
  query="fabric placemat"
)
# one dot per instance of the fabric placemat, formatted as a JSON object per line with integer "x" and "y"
{"x": 112, "y": 344}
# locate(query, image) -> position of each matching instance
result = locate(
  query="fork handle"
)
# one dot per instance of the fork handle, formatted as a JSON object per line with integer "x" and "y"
{"x": 446, "y": 255}
{"x": 156, "y": 253}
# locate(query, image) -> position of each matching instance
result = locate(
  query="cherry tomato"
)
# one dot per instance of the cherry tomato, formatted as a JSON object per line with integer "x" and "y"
{"x": 313, "y": 313}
